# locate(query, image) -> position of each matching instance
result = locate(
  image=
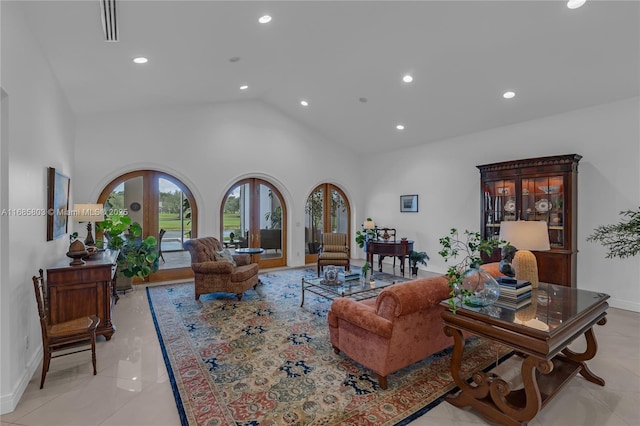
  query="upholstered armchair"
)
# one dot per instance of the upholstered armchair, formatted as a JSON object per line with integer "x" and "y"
{"x": 215, "y": 273}
{"x": 334, "y": 251}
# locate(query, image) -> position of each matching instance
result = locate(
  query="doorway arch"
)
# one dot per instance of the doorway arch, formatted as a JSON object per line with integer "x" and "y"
{"x": 157, "y": 200}
{"x": 327, "y": 210}
{"x": 254, "y": 214}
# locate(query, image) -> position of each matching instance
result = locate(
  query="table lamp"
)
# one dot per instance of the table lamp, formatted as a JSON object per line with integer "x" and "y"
{"x": 525, "y": 236}
{"x": 88, "y": 213}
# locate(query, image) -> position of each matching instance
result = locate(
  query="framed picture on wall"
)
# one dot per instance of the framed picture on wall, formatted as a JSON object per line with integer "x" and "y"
{"x": 57, "y": 203}
{"x": 409, "y": 203}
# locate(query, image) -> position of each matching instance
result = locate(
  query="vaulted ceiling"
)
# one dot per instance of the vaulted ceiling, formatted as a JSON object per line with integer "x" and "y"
{"x": 347, "y": 60}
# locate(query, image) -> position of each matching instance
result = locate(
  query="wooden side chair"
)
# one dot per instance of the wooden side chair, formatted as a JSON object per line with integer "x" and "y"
{"x": 65, "y": 335}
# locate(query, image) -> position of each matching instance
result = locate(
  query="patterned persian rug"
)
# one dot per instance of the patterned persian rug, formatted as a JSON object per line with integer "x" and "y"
{"x": 267, "y": 361}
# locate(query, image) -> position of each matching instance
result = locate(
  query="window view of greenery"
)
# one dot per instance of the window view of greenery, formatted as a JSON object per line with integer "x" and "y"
{"x": 174, "y": 210}
{"x": 231, "y": 218}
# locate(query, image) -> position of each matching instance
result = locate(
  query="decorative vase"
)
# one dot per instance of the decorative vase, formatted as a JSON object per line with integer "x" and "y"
{"x": 484, "y": 287}
{"x": 331, "y": 274}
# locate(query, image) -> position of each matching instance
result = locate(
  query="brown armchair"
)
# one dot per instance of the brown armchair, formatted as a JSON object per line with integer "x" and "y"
{"x": 334, "y": 251}
{"x": 213, "y": 273}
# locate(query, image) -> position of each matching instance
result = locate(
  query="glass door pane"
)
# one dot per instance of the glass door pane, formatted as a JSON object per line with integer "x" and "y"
{"x": 339, "y": 217}
{"x": 174, "y": 213}
{"x": 543, "y": 199}
{"x": 313, "y": 221}
{"x": 254, "y": 215}
{"x": 235, "y": 217}
{"x": 270, "y": 220}
{"x": 499, "y": 205}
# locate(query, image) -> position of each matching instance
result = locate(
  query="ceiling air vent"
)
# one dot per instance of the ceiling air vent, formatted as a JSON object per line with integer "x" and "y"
{"x": 109, "y": 19}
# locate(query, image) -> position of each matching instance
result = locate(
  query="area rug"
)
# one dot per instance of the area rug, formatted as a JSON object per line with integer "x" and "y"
{"x": 267, "y": 361}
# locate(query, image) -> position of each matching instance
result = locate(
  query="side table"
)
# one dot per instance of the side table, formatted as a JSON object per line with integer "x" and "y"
{"x": 556, "y": 317}
{"x": 250, "y": 250}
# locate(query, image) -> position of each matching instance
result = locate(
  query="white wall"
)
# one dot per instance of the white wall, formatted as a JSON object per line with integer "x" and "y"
{"x": 445, "y": 176}
{"x": 38, "y": 133}
{"x": 211, "y": 147}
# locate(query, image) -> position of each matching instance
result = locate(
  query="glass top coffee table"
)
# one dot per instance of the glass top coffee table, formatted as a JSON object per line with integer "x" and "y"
{"x": 353, "y": 289}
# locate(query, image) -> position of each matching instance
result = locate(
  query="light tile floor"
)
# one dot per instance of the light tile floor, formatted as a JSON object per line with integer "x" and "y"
{"x": 132, "y": 386}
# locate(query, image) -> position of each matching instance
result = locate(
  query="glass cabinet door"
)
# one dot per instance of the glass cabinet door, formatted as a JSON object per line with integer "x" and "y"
{"x": 543, "y": 199}
{"x": 499, "y": 204}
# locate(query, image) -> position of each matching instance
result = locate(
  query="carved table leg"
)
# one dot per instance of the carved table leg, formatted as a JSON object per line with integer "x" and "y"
{"x": 488, "y": 394}
{"x": 589, "y": 353}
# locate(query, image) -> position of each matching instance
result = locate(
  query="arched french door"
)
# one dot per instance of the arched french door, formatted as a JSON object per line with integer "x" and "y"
{"x": 157, "y": 201}
{"x": 327, "y": 210}
{"x": 253, "y": 214}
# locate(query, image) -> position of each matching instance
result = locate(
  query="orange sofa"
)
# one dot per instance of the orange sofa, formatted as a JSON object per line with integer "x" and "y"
{"x": 400, "y": 327}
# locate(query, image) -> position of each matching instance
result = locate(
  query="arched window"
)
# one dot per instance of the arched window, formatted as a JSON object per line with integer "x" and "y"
{"x": 158, "y": 201}
{"x": 327, "y": 210}
{"x": 254, "y": 214}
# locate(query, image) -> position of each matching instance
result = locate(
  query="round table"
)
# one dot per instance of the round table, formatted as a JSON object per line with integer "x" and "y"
{"x": 250, "y": 250}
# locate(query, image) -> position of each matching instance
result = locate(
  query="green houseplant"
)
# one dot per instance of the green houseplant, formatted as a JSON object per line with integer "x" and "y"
{"x": 417, "y": 258}
{"x": 361, "y": 239}
{"x": 622, "y": 239}
{"x": 138, "y": 256}
{"x": 465, "y": 277}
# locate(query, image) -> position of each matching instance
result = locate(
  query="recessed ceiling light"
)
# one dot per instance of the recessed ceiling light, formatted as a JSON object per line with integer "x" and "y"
{"x": 264, "y": 19}
{"x": 407, "y": 78}
{"x": 244, "y": 87}
{"x": 140, "y": 60}
{"x": 304, "y": 103}
{"x": 400, "y": 127}
{"x": 574, "y": 4}
{"x": 508, "y": 95}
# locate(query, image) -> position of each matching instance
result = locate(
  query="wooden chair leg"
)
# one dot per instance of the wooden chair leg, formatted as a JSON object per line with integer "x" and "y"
{"x": 93, "y": 352}
{"x": 46, "y": 359}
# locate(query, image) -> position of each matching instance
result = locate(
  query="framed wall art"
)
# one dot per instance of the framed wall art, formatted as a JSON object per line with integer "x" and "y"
{"x": 409, "y": 203}
{"x": 57, "y": 204}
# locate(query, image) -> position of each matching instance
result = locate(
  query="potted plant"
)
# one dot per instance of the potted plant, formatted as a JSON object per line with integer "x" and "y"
{"x": 468, "y": 283}
{"x": 622, "y": 239}
{"x": 417, "y": 258}
{"x": 138, "y": 256}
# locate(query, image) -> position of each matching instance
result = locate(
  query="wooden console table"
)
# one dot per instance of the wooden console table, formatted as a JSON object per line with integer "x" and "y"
{"x": 76, "y": 291}
{"x": 540, "y": 333}
{"x": 400, "y": 249}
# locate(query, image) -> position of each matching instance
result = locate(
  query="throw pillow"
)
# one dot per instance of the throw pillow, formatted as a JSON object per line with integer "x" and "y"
{"x": 226, "y": 255}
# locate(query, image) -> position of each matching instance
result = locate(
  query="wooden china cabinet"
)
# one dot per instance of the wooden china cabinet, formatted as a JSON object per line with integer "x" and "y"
{"x": 545, "y": 189}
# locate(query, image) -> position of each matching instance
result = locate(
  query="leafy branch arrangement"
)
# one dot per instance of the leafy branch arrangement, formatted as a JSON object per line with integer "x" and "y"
{"x": 364, "y": 235}
{"x": 621, "y": 239}
{"x": 470, "y": 247}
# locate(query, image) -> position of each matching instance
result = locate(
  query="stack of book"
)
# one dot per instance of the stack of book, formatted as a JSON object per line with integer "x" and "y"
{"x": 347, "y": 276}
{"x": 514, "y": 293}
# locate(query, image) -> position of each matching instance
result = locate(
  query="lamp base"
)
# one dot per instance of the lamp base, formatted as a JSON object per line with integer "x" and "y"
{"x": 526, "y": 267}
{"x": 89, "y": 241}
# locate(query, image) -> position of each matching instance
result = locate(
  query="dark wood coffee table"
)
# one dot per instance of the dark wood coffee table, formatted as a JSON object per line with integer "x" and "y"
{"x": 540, "y": 334}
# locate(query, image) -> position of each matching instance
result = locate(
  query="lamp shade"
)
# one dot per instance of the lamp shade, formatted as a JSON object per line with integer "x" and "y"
{"x": 88, "y": 212}
{"x": 369, "y": 224}
{"x": 526, "y": 235}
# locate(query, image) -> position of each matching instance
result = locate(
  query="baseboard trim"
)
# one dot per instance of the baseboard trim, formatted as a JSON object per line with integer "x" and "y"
{"x": 9, "y": 402}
